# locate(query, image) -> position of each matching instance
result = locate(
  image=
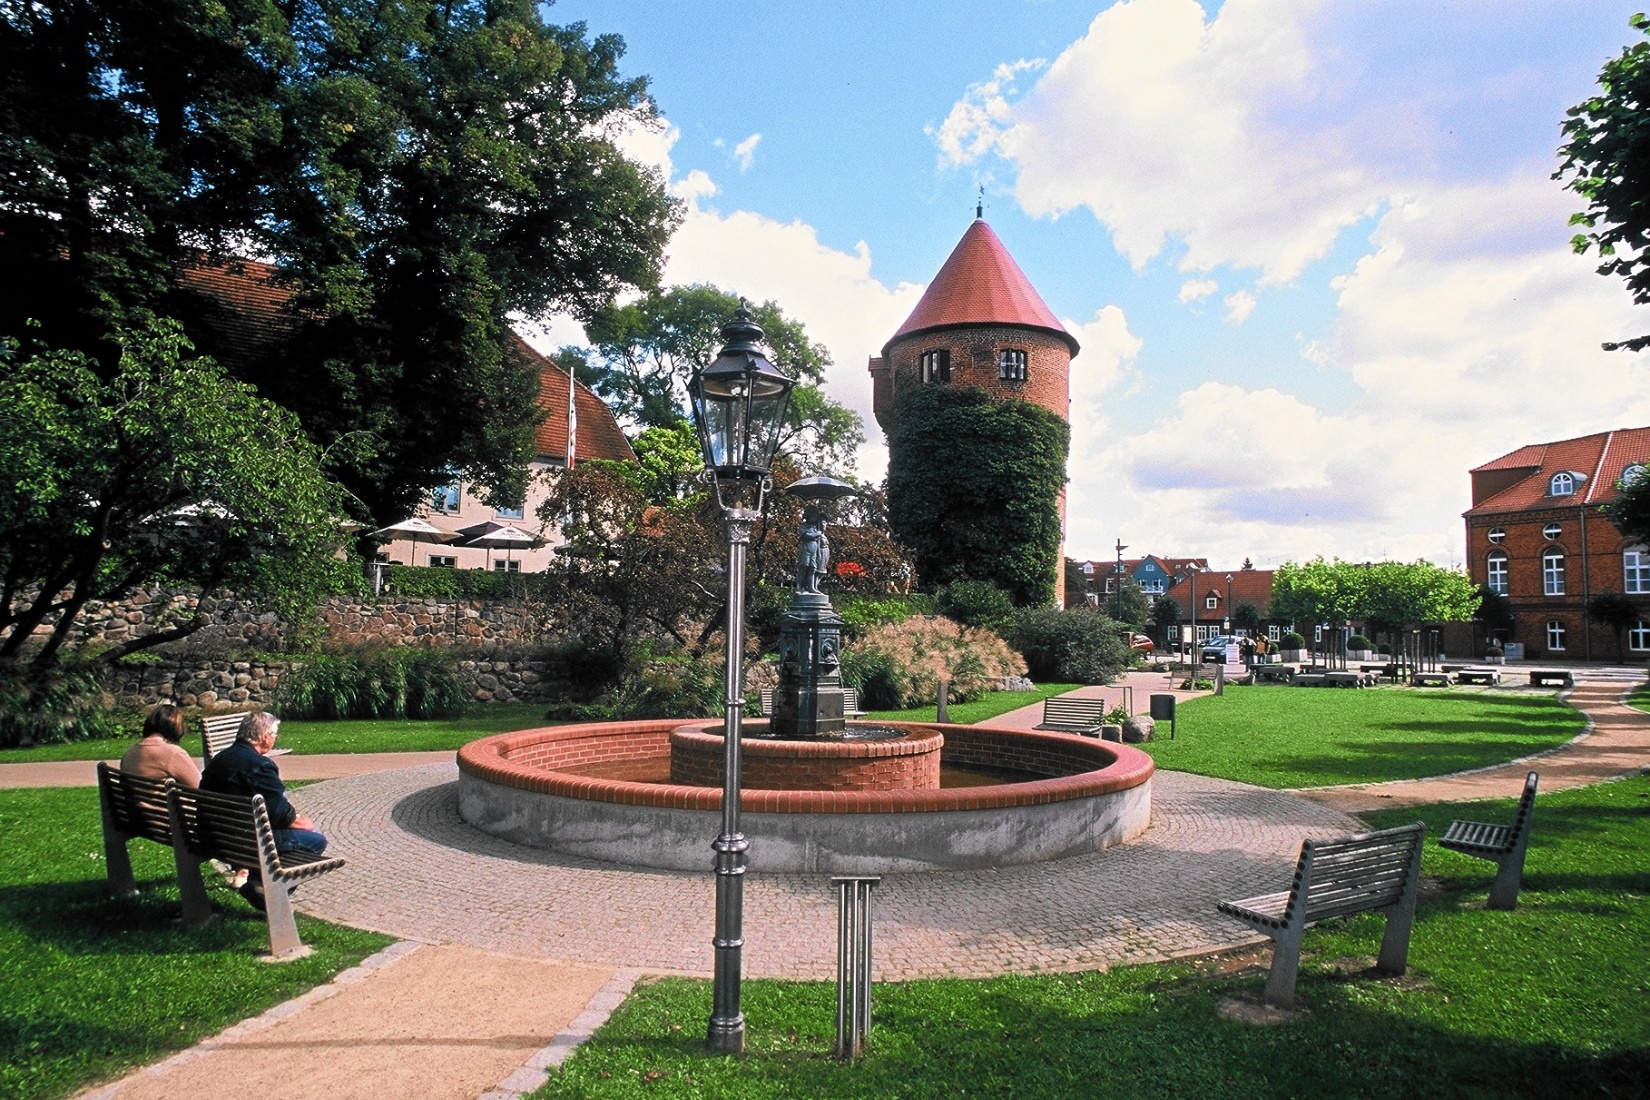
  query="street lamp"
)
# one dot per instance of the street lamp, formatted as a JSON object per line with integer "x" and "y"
{"x": 739, "y": 406}
{"x": 1191, "y": 574}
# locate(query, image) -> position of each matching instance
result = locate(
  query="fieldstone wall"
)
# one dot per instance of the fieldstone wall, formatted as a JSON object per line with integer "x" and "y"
{"x": 241, "y": 685}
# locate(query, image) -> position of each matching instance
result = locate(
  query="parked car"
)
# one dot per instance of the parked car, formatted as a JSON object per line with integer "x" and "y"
{"x": 1140, "y": 643}
{"x": 1213, "y": 650}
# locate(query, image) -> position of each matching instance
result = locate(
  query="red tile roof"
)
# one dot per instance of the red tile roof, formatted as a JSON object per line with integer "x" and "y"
{"x": 1596, "y": 460}
{"x": 247, "y": 311}
{"x": 980, "y": 284}
{"x": 1251, "y": 586}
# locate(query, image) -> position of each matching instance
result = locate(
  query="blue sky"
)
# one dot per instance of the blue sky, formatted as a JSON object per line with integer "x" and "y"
{"x": 1311, "y": 249}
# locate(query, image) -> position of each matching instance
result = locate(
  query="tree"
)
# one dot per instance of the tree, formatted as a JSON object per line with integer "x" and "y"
{"x": 1616, "y": 612}
{"x": 1387, "y": 595}
{"x": 646, "y": 351}
{"x": 1079, "y": 585}
{"x": 1166, "y": 616}
{"x": 1128, "y": 603}
{"x": 1246, "y": 616}
{"x": 165, "y": 472}
{"x": 1495, "y": 612}
{"x": 1608, "y": 154}
{"x": 419, "y": 172}
{"x": 1630, "y": 510}
{"x": 973, "y": 489}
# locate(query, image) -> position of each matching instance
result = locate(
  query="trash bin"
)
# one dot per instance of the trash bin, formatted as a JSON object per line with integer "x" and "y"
{"x": 1163, "y": 710}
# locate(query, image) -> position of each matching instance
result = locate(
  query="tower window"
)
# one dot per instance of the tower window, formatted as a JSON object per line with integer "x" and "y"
{"x": 935, "y": 366}
{"x": 1011, "y": 365}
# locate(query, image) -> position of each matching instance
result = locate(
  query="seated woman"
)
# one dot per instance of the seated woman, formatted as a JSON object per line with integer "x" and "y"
{"x": 157, "y": 754}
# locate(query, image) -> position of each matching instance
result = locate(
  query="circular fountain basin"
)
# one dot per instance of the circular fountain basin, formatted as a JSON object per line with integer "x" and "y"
{"x": 602, "y": 791}
{"x": 874, "y": 758}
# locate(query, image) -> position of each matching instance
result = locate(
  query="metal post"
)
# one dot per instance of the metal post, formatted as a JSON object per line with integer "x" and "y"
{"x": 942, "y": 713}
{"x": 727, "y": 1022}
{"x": 853, "y": 963}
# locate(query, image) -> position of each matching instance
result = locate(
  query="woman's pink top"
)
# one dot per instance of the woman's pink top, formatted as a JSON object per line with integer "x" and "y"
{"x": 157, "y": 758}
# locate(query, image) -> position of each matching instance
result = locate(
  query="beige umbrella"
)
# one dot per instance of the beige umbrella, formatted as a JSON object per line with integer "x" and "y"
{"x": 415, "y": 530}
{"x": 499, "y": 536}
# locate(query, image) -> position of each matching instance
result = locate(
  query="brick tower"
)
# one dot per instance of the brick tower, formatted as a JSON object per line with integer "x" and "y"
{"x": 981, "y": 323}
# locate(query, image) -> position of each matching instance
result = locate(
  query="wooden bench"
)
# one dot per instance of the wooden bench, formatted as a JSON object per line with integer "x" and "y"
{"x": 1080, "y": 716}
{"x": 1478, "y": 676}
{"x": 1279, "y": 674}
{"x": 1344, "y": 679}
{"x": 1502, "y": 845}
{"x": 1354, "y": 874}
{"x": 1542, "y": 676}
{"x": 135, "y": 808}
{"x": 850, "y": 703}
{"x": 218, "y": 733}
{"x": 236, "y": 830}
{"x": 1308, "y": 679}
{"x": 1422, "y": 679}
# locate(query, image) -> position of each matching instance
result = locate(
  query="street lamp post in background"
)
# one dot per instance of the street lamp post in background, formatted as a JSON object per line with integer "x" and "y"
{"x": 1120, "y": 549}
{"x": 1191, "y": 574}
{"x": 739, "y": 404}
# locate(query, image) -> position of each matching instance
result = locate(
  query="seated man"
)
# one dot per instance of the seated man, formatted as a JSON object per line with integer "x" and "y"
{"x": 245, "y": 769}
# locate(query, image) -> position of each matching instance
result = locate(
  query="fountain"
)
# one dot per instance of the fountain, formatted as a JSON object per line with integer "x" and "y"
{"x": 818, "y": 793}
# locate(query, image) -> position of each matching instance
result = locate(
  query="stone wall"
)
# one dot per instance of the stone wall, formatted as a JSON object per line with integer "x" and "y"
{"x": 242, "y": 685}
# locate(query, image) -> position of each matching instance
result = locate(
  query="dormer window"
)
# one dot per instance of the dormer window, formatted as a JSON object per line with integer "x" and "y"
{"x": 1011, "y": 365}
{"x": 1211, "y": 602}
{"x": 1633, "y": 473}
{"x": 1562, "y": 484}
{"x": 935, "y": 366}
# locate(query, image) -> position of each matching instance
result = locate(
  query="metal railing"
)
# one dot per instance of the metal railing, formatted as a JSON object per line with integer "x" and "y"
{"x": 853, "y": 963}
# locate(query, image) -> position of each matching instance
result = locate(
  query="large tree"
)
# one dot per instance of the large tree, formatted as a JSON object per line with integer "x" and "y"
{"x": 1388, "y": 595}
{"x": 162, "y": 471}
{"x": 1607, "y": 155}
{"x": 644, "y": 352}
{"x": 418, "y": 172}
{"x": 1630, "y": 510}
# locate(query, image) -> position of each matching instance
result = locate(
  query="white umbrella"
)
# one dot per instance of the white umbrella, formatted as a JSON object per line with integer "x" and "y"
{"x": 415, "y": 530}
{"x": 499, "y": 536}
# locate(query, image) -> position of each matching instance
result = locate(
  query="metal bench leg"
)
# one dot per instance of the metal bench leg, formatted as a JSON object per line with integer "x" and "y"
{"x": 1286, "y": 965}
{"x": 283, "y": 926}
{"x": 1509, "y": 875}
{"x": 197, "y": 910}
{"x": 1394, "y": 957}
{"x": 116, "y": 859}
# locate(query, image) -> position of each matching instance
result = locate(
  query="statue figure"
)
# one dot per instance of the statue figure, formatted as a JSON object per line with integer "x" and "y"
{"x": 813, "y": 550}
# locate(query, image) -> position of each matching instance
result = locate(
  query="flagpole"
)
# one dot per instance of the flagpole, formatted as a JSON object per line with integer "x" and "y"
{"x": 572, "y": 419}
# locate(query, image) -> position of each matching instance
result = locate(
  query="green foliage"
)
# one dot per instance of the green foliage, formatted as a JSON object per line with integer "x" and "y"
{"x": 1283, "y": 737}
{"x": 973, "y": 487}
{"x": 419, "y": 172}
{"x": 1292, "y": 640}
{"x": 1630, "y": 510}
{"x": 93, "y": 985}
{"x": 1358, "y": 641}
{"x": 975, "y": 603}
{"x": 44, "y": 706}
{"x": 440, "y": 583}
{"x": 901, "y": 664}
{"x": 862, "y": 613}
{"x": 988, "y": 706}
{"x": 161, "y": 471}
{"x": 1607, "y": 152}
{"x": 1077, "y": 645}
{"x": 1389, "y": 595}
{"x": 1127, "y": 605}
{"x": 1247, "y": 617}
{"x": 1494, "y": 611}
{"x": 1616, "y": 612}
{"x": 399, "y": 682}
{"x": 1165, "y": 611}
{"x": 669, "y": 461}
{"x": 1117, "y": 715}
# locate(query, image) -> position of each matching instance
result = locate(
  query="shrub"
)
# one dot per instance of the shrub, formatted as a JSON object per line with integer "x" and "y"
{"x": 587, "y": 667}
{"x": 1384, "y": 649}
{"x": 1076, "y": 645}
{"x": 1494, "y": 651}
{"x": 440, "y": 583}
{"x": 385, "y": 683}
{"x": 63, "y": 703}
{"x": 975, "y": 603}
{"x": 1292, "y": 640}
{"x": 861, "y": 614}
{"x": 1358, "y": 641}
{"x": 900, "y": 664}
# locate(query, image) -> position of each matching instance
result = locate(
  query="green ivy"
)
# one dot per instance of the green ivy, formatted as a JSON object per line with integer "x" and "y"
{"x": 973, "y": 489}
{"x": 440, "y": 583}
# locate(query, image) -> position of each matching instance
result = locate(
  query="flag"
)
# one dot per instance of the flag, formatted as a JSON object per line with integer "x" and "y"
{"x": 572, "y": 418}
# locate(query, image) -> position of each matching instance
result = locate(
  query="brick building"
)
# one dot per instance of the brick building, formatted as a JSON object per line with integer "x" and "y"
{"x": 1535, "y": 534}
{"x": 1219, "y": 593}
{"x": 980, "y": 323}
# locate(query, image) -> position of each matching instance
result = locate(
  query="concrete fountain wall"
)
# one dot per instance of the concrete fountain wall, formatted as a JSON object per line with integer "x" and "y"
{"x": 1092, "y": 795}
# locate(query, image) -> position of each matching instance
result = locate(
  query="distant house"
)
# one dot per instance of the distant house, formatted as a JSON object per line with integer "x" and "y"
{"x": 1535, "y": 535}
{"x": 1218, "y": 595}
{"x": 246, "y": 310}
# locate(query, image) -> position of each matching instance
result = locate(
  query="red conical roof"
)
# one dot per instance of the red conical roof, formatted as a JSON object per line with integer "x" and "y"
{"x": 981, "y": 284}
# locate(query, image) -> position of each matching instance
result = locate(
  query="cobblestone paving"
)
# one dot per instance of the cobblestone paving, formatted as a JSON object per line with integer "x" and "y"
{"x": 417, "y": 870}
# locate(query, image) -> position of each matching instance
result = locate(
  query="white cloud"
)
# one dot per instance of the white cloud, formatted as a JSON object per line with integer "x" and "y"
{"x": 1193, "y": 289}
{"x": 745, "y": 152}
{"x": 1239, "y": 306}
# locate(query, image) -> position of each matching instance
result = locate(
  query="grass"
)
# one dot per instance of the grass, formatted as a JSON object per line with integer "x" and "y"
{"x": 365, "y": 735}
{"x": 1276, "y": 736}
{"x": 1551, "y": 999}
{"x": 91, "y": 985}
{"x": 1640, "y": 698}
{"x": 994, "y": 703}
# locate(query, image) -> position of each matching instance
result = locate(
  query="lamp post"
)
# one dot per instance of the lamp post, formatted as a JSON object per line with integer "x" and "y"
{"x": 739, "y": 404}
{"x": 1191, "y": 574}
{"x": 1120, "y": 549}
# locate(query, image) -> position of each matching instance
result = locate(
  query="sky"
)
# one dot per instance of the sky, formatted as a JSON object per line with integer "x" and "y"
{"x": 1312, "y": 250}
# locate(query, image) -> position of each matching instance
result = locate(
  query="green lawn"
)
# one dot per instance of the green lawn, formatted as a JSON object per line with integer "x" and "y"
{"x": 1278, "y": 736}
{"x": 1551, "y": 999}
{"x": 366, "y": 735}
{"x": 91, "y": 985}
{"x": 994, "y": 703}
{"x": 1640, "y": 698}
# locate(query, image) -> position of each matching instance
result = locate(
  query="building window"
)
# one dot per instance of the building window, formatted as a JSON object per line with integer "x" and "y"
{"x": 1273, "y": 632}
{"x": 1211, "y": 602}
{"x": 1088, "y": 567}
{"x": 509, "y": 513}
{"x": 1011, "y": 365}
{"x": 1633, "y": 473}
{"x": 1555, "y": 634}
{"x": 1498, "y": 534}
{"x": 445, "y": 498}
{"x": 506, "y": 565}
{"x": 1562, "y": 485}
{"x": 1551, "y": 531}
{"x": 935, "y": 366}
{"x": 443, "y": 561}
{"x": 1497, "y": 573}
{"x": 1639, "y": 637}
{"x": 1635, "y": 568}
{"x": 1552, "y": 573}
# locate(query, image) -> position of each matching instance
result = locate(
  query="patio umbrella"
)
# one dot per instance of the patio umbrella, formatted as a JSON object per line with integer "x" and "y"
{"x": 414, "y": 530}
{"x": 499, "y": 536}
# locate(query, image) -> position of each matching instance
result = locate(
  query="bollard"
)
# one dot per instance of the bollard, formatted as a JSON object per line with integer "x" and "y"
{"x": 853, "y": 963}
{"x": 942, "y": 713}
{"x": 1220, "y": 678}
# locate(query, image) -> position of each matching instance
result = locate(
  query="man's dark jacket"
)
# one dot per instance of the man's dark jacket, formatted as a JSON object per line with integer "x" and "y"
{"x": 243, "y": 770}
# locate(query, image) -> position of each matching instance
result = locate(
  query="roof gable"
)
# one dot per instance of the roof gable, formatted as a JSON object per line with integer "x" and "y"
{"x": 1596, "y": 461}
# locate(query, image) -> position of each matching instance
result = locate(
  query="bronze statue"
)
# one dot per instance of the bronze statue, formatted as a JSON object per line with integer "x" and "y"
{"x": 813, "y": 550}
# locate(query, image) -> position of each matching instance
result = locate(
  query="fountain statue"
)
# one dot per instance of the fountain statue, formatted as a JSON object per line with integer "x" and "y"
{"x": 808, "y": 701}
